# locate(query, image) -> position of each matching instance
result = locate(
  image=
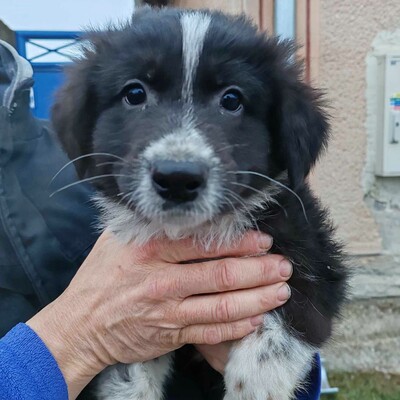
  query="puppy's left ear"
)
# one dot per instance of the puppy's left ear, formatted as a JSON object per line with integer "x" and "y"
{"x": 303, "y": 131}
{"x": 73, "y": 114}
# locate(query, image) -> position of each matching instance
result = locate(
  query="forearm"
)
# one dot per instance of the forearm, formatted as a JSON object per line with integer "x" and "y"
{"x": 64, "y": 330}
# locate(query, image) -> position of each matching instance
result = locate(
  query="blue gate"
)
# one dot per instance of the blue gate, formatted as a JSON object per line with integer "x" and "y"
{"x": 48, "y": 52}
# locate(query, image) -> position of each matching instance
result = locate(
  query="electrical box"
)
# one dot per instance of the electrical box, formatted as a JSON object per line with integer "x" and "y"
{"x": 388, "y": 118}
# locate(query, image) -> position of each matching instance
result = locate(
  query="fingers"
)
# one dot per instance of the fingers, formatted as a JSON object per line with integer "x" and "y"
{"x": 218, "y": 333}
{"x": 185, "y": 250}
{"x": 232, "y": 306}
{"x": 230, "y": 274}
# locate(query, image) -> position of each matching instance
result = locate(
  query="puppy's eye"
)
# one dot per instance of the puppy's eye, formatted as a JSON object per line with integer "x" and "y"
{"x": 135, "y": 94}
{"x": 231, "y": 100}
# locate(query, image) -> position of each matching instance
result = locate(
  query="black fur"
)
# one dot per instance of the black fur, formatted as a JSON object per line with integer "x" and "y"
{"x": 283, "y": 128}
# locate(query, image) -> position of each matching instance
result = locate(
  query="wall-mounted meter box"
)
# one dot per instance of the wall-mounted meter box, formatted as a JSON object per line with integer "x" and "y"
{"x": 388, "y": 118}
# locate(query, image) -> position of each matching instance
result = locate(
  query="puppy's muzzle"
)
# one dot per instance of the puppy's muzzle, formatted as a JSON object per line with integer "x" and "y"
{"x": 179, "y": 182}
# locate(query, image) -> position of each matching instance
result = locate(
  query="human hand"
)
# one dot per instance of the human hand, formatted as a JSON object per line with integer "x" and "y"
{"x": 129, "y": 303}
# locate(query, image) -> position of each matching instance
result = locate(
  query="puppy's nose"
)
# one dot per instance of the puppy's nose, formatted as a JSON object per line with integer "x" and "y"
{"x": 179, "y": 182}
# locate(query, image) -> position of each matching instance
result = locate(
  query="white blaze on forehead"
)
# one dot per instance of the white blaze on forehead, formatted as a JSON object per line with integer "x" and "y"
{"x": 194, "y": 30}
{"x": 182, "y": 145}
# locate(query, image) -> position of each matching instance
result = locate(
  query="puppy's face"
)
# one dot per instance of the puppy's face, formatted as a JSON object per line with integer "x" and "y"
{"x": 189, "y": 116}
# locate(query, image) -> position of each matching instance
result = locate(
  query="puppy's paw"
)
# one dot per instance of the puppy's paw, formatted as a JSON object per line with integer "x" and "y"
{"x": 140, "y": 381}
{"x": 129, "y": 394}
{"x": 269, "y": 364}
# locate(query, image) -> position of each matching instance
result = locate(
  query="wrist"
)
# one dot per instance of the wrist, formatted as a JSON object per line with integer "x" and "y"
{"x": 66, "y": 334}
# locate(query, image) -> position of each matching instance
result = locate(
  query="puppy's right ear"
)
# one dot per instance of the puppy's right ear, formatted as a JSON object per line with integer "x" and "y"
{"x": 74, "y": 112}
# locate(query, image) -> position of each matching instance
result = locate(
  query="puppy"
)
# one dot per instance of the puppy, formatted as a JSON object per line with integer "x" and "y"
{"x": 194, "y": 124}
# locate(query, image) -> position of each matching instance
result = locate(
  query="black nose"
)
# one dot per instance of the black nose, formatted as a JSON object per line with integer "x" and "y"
{"x": 179, "y": 182}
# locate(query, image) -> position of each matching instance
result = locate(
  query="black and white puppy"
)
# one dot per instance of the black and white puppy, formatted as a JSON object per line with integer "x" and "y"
{"x": 210, "y": 131}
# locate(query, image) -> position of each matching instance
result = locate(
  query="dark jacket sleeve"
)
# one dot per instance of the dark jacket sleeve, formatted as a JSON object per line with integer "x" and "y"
{"x": 28, "y": 370}
{"x": 43, "y": 239}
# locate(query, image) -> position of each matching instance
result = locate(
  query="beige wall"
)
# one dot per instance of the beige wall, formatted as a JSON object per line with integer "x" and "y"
{"x": 260, "y": 10}
{"x": 347, "y": 30}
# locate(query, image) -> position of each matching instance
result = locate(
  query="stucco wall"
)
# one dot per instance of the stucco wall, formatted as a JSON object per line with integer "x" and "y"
{"x": 382, "y": 193}
{"x": 347, "y": 31}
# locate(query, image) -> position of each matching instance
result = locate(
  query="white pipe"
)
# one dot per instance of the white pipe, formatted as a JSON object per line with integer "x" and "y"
{"x": 285, "y": 18}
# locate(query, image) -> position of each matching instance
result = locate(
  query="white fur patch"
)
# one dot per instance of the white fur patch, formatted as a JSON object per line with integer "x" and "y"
{"x": 132, "y": 226}
{"x": 194, "y": 30}
{"x": 139, "y": 381}
{"x": 186, "y": 144}
{"x": 267, "y": 365}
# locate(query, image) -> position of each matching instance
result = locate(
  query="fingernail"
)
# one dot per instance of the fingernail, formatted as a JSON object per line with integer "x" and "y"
{"x": 284, "y": 292}
{"x": 285, "y": 268}
{"x": 258, "y": 320}
{"x": 265, "y": 242}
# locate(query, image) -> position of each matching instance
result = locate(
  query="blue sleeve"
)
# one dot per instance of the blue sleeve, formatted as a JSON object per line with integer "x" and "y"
{"x": 312, "y": 385}
{"x": 28, "y": 371}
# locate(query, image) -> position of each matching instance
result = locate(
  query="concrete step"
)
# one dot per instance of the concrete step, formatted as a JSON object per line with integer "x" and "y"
{"x": 367, "y": 338}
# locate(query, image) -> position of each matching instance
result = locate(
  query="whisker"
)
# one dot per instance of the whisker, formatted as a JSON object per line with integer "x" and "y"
{"x": 278, "y": 183}
{"x": 85, "y": 180}
{"x": 111, "y": 163}
{"x": 236, "y": 197}
{"x": 244, "y": 205}
{"x": 267, "y": 198}
{"x": 250, "y": 187}
{"x": 230, "y": 146}
{"x": 130, "y": 201}
{"x": 85, "y": 156}
{"x": 308, "y": 299}
{"x": 230, "y": 203}
{"x": 124, "y": 197}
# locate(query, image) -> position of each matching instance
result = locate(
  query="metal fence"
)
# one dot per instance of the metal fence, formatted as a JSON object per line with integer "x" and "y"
{"x": 48, "y": 52}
